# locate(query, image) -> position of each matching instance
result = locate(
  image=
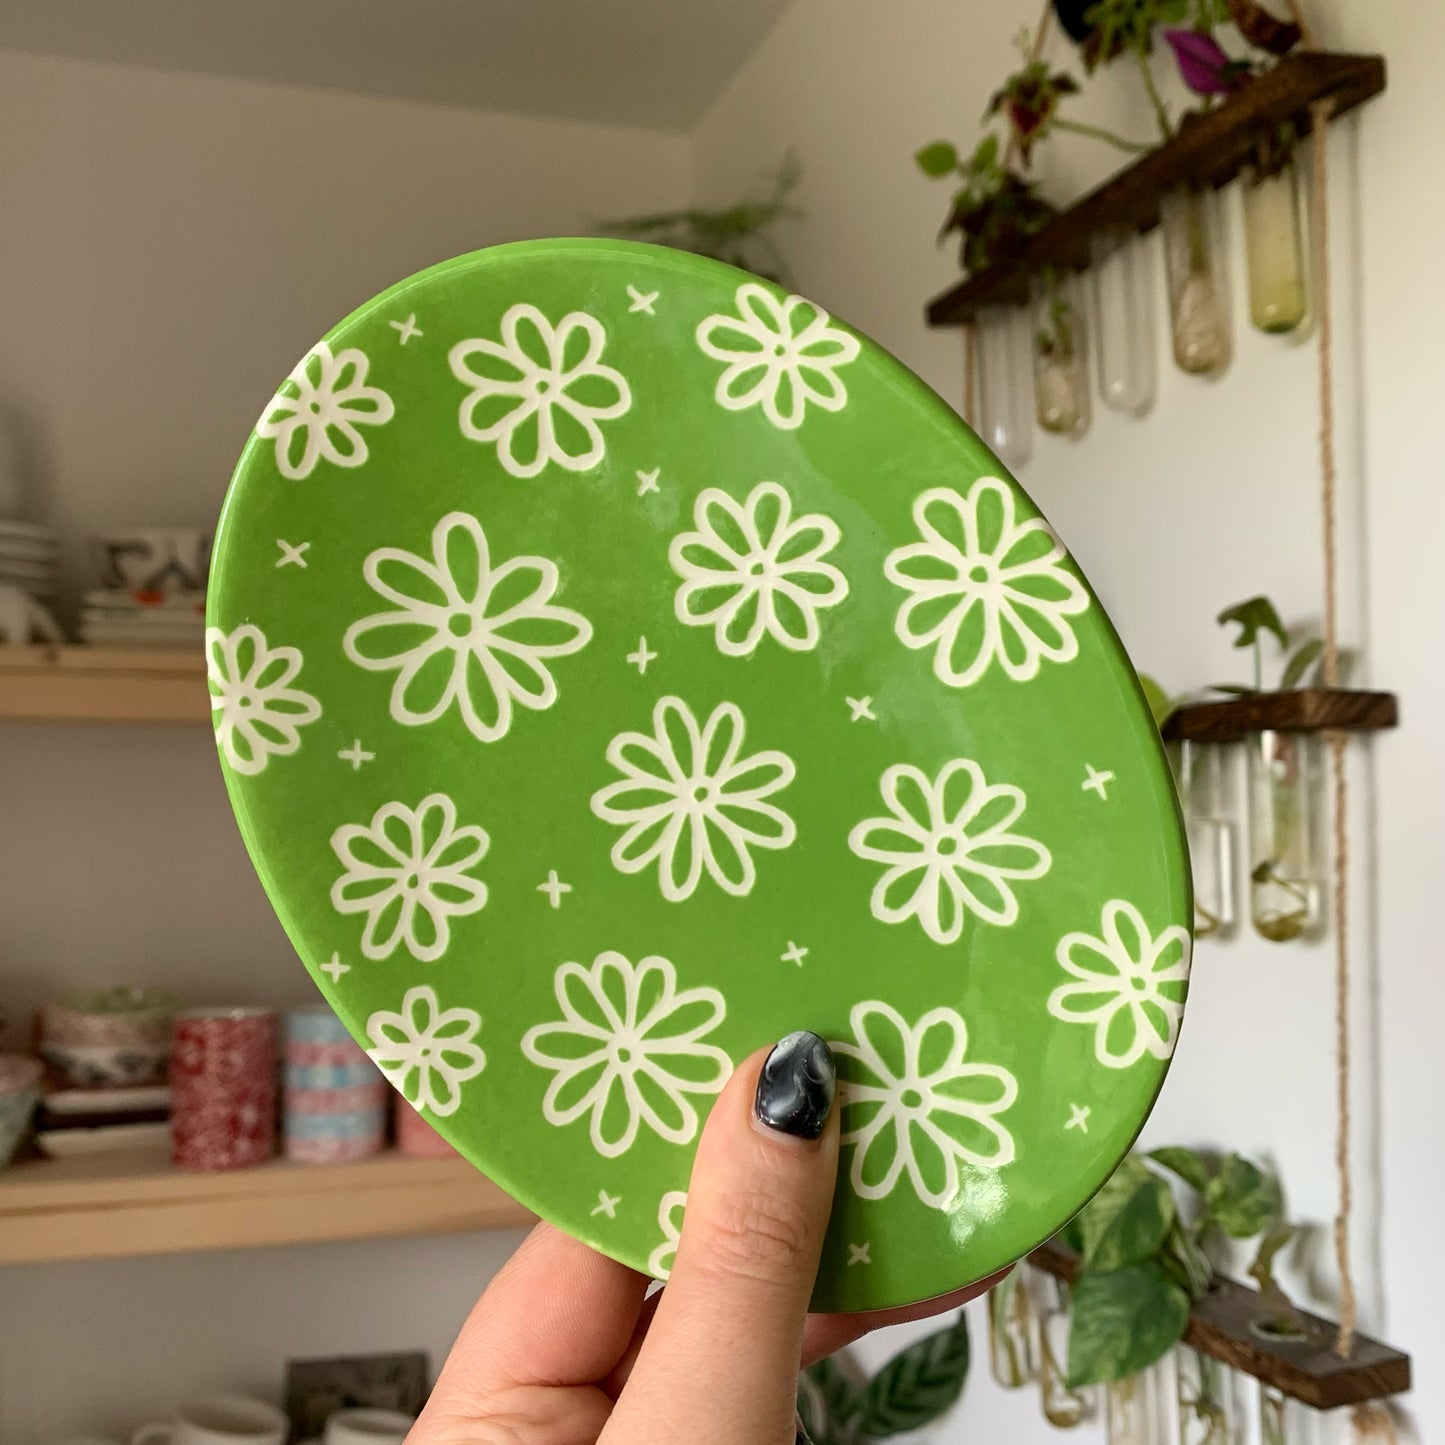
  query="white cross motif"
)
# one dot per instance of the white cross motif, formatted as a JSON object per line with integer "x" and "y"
{"x": 642, "y": 656}
{"x": 647, "y": 481}
{"x": 1078, "y": 1118}
{"x": 861, "y": 708}
{"x": 607, "y": 1203}
{"x": 1096, "y": 780}
{"x": 554, "y": 888}
{"x": 292, "y": 556}
{"x": 858, "y": 1253}
{"x": 335, "y": 967}
{"x": 355, "y": 755}
{"x": 794, "y": 954}
{"x": 407, "y": 329}
{"x": 641, "y": 300}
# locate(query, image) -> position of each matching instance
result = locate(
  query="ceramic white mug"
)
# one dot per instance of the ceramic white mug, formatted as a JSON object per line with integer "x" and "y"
{"x": 221, "y": 1420}
{"x": 362, "y": 1426}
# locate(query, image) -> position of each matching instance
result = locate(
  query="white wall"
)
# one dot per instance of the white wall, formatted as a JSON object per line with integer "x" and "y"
{"x": 168, "y": 246}
{"x": 1213, "y": 497}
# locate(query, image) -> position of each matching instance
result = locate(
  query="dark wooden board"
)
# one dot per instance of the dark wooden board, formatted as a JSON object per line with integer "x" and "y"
{"x": 1308, "y": 1370}
{"x": 1301, "y": 710}
{"x": 1209, "y": 150}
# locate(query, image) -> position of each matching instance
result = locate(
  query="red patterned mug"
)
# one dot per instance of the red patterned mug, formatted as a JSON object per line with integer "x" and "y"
{"x": 223, "y": 1088}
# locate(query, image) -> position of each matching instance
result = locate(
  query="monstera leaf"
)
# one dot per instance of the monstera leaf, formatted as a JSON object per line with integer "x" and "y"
{"x": 917, "y": 1385}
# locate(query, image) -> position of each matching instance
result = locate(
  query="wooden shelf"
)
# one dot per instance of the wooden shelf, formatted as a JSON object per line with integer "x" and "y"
{"x": 1209, "y": 150}
{"x": 101, "y": 684}
{"x": 1301, "y": 710}
{"x": 105, "y": 1205}
{"x": 1308, "y": 1370}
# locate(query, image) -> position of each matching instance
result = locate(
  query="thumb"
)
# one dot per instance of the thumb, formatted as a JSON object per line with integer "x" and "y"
{"x": 720, "y": 1360}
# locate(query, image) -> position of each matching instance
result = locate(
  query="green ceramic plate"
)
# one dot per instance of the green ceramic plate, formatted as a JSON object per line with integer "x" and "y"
{"x": 618, "y": 663}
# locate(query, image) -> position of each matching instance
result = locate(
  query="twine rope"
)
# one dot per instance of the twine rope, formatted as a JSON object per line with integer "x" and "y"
{"x": 1319, "y": 120}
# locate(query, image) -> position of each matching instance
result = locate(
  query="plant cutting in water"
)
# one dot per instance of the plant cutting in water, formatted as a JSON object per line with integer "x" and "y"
{"x": 919, "y": 1385}
{"x": 1257, "y": 617}
{"x": 1142, "y": 1262}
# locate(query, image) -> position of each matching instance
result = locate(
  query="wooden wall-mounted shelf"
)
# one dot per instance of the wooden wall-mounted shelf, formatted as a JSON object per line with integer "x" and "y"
{"x": 101, "y": 684}
{"x": 1308, "y": 1370}
{"x": 1300, "y": 710}
{"x": 1209, "y": 150}
{"x": 105, "y": 1205}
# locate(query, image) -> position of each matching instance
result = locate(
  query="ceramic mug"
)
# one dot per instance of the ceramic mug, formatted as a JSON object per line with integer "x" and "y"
{"x": 156, "y": 561}
{"x": 223, "y": 1088}
{"x": 222, "y": 1420}
{"x": 363, "y": 1426}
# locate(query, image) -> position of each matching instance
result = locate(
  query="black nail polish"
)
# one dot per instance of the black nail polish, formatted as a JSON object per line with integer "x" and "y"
{"x": 795, "y": 1088}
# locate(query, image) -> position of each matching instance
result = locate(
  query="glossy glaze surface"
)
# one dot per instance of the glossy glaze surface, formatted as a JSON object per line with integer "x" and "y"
{"x": 779, "y": 707}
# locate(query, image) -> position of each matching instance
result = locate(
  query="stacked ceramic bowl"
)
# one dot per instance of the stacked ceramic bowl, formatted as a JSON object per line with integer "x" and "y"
{"x": 111, "y": 1039}
{"x": 335, "y": 1100}
{"x": 107, "y": 1055}
{"x": 27, "y": 558}
{"x": 155, "y": 589}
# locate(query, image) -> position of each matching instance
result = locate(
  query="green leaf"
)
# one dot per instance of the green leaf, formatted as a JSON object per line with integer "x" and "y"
{"x": 1234, "y": 689}
{"x": 985, "y": 153}
{"x": 917, "y": 1385}
{"x": 1123, "y": 1321}
{"x": 1242, "y": 1199}
{"x": 1127, "y": 1220}
{"x": 1160, "y": 703}
{"x": 1185, "y": 1163}
{"x": 1253, "y": 616}
{"x": 1299, "y": 665}
{"x": 937, "y": 159}
{"x": 828, "y": 1399}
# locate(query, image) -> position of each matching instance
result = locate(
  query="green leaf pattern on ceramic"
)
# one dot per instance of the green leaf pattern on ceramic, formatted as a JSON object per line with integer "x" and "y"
{"x": 618, "y": 649}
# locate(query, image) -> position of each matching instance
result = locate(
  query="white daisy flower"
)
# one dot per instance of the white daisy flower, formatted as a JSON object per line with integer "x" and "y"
{"x": 316, "y": 413}
{"x": 751, "y": 568}
{"x": 540, "y": 392}
{"x": 255, "y": 710}
{"x": 426, "y": 1051}
{"x": 984, "y": 587}
{"x": 912, "y": 1106}
{"x": 1128, "y": 984}
{"x": 628, "y": 1051}
{"x": 780, "y": 354}
{"x": 409, "y": 872}
{"x": 692, "y": 803}
{"x": 465, "y": 631}
{"x": 948, "y": 849}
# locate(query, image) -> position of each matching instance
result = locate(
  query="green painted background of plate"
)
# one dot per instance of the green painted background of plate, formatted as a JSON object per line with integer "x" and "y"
{"x": 863, "y": 466}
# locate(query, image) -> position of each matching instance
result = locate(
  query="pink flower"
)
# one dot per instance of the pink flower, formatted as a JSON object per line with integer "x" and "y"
{"x": 1203, "y": 64}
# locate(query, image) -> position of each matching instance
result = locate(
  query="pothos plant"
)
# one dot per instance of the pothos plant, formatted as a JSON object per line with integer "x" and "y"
{"x": 919, "y": 1385}
{"x": 1143, "y": 1259}
{"x": 738, "y": 234}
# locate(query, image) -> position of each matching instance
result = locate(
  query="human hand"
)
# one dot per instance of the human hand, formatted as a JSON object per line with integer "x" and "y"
{"x": 566, "y": 1348}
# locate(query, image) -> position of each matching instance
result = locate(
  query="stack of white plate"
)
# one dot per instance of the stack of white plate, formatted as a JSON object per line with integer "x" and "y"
{"x": 27, "y": 557}
{"x": 114, "y": 617}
